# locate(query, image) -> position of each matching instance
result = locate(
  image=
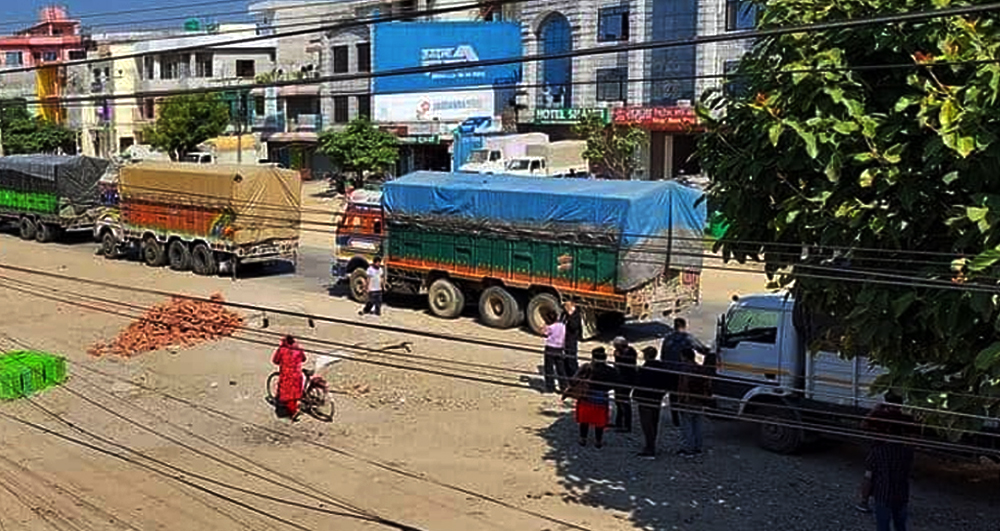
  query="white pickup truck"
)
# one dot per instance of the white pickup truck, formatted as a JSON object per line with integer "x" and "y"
{"x": 557, "y": 159}
{"x": 765, "y": 369}
{"x": 498, "y": 151}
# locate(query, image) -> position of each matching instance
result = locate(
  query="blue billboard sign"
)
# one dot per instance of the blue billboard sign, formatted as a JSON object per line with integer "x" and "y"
{"x": 421, "y": 44}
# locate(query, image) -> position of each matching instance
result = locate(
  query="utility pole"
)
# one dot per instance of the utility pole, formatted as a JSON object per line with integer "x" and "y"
{"x": 239, "y": 127}
{"x": 1, "y": 127}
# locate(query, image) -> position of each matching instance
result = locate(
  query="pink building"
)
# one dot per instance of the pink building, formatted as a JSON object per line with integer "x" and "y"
{"x": 54, "y": 39}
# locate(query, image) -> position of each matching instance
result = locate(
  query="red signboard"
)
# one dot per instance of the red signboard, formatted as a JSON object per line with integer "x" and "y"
{"x": 678, "y": 119}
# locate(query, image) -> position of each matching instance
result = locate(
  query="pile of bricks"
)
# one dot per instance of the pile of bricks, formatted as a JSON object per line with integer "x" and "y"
{"x": 178, "y": 323}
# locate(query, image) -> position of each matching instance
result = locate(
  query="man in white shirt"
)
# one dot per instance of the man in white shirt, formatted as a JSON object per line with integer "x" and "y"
{"x": 374, "y": 304}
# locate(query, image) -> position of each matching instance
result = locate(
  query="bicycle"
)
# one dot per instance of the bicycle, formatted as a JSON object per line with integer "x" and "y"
{"x": 316, "y": 400}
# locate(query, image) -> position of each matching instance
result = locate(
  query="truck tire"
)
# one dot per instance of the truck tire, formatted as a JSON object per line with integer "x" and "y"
{"x": 779, "y": 436}
{"x": 45, "y": 233}
{"x": 109, "y": 245}
{"x": 203, "y": 260}
{"x": 152, "y": 253}
{"x": 537, "y": 307}
{"x": 499, "y": 309}
{"x": 27, "y": 228}
{"x": 358, "y": 285}
{"x": 179, "y": 256}
{"x": 445, "y": 299}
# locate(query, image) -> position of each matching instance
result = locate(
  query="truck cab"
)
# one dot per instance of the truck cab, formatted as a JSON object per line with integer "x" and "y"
{"x": 359, "y": 237}
{"x": 528, "y": 167}
{"x": 766, "y": 369}
{"x": 484, "y": 161}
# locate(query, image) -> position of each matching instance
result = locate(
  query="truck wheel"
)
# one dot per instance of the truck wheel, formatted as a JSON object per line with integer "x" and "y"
{"x": 44, "y": 233}
{"x": 152, "y": 253}
{"x": 179, "y": 256}
{"x": 109, "y": 245}
{"x": 779, "y": 435}
{"x": 445, "y": 299}
{"x": 499, "y": 309}
{"x": 358, "y": 283}
{"x": 538, "y": 306}
{"x": 203, "y": 260}
{"x": 28, "y": 229}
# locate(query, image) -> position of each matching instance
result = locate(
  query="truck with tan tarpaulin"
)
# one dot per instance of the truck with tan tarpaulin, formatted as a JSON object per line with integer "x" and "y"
{"x": 204, "y": 218}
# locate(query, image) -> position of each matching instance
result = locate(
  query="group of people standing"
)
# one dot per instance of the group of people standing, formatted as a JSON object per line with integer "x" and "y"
{"x": 673, "y": 372}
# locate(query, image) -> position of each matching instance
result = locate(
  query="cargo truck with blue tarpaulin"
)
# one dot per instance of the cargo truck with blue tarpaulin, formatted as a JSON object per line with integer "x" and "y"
{"x": 49, "y": 194}
{"x": 519, "y": 246}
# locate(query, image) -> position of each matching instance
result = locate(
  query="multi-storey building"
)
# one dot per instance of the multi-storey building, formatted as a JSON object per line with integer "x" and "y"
{"x": 112, "y": 126}
{"x": 44, "y": 46}
{"x": 654, "y": 88}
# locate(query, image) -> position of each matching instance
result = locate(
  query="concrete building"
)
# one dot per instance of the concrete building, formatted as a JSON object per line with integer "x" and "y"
{"x": 654, "y": 89}
{"x": 110, "y": 127}
{"x": 53, "y": 40}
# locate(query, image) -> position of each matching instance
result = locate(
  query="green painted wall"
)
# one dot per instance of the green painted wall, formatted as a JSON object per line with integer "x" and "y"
{"x": 590, "y": 266}
{"x": 29, "y": 201}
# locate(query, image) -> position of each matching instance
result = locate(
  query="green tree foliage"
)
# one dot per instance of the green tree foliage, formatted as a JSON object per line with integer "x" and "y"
{"x": 609, "y": 146}
{"x": 360, "y": 147}
{"x": 888, "y": 172}
{"x": 186, "y": 121}
{"x": 24, "y": 133}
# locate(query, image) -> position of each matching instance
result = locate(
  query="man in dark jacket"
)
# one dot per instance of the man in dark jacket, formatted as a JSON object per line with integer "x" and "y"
{"x": 625, "y": 363}
{"x": 574, "y": 331}
{"x": 673, "y": 344}
{"x": 694, "y": 394}
{"x": 651, "y": 386}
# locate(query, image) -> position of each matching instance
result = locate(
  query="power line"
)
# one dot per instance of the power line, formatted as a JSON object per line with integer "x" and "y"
{"x": 597, "y": 50}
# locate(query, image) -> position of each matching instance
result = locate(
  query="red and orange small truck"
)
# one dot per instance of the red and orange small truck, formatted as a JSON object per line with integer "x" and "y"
{"x": 516, "y": 247}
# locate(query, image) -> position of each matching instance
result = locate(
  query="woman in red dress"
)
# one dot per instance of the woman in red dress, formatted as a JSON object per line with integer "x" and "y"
{"x": 590, "y": 387}
{"x": 289, "y": 358}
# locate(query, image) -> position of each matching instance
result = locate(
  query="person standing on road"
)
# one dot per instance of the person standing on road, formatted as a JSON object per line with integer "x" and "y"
{"x": 694, "y": 390}
{"x": 651, "y": 386}
{"x": 670, "y": 352}
{"x": 574, "y": 331}
{"x": 554, "y": 369}
{"x": 625, "y": 363}
{"x": 590, "y": 386}
{"x": 374, "y": 304}
{"x": 886, "y": 418}
{"x": 289, "y": 358}
{"x": 887, "y": 480}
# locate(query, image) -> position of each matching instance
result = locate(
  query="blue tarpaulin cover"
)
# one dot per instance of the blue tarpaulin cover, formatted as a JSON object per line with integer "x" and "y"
{"x": 650, "y": 220}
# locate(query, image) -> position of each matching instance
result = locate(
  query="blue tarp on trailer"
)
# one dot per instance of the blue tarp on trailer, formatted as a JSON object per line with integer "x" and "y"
{"x": 650, "y": 220}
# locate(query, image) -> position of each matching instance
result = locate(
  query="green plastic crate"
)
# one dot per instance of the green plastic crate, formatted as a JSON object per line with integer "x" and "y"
{"x": 23, "y": 373}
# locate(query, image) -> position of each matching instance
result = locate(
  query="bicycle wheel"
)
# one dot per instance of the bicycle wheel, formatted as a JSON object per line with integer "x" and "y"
{"x": 320, "y": 404}
{"x": 272, "y": 388}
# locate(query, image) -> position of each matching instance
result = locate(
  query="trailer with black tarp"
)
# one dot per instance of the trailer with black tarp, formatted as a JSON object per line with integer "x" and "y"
{"x": 48, "y": 194}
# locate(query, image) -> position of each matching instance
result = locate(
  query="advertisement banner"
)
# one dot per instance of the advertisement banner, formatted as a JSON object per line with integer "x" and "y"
{"x": 673, "y": 119}
{"x": 451, "y": 106}
{"x": 400, "y": 45}
{"x": 567, "y": 116}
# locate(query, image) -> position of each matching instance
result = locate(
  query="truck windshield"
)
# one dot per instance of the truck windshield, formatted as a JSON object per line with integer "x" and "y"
{"x": 752, "y": 324}
{"x": 479, "y": 156}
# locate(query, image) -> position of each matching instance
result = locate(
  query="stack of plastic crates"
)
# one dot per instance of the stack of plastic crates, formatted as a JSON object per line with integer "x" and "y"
{"x": 24, "y": 373}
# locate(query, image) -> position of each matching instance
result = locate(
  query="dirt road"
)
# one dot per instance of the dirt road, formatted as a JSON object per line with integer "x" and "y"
{"x": 421, "y": 438}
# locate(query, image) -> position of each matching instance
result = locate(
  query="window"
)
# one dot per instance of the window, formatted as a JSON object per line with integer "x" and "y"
{"x": 365, "y": 106}
{"x": 245, "y": 68}
{"x": 556, "y": 36}
{"x": 203, "y": 65}
{"x": 148, "y": 109}
{"x": 340, "y": 60}
{"x": 740, "y": 15}
{"x": 14, "y": 59}
{"x": 258, "y": 106}
{"x": 733, "y": 86}
{"x": 147, "y": 66}
{"x": 612, "y": 84}
{"x": 364, "y": 57}
{"x": 50, "y": 56}
{"x": 174, "y": 66}
{"x": 752, "y": 324}
{"x": 340, "y": 113}
{"x": 612, "y": 24}
{"x": 77, "y": 55}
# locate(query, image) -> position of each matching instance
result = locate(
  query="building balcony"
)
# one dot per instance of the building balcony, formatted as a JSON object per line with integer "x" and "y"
{"x": 274, "y": 123}
{"x": 305, "y": 123}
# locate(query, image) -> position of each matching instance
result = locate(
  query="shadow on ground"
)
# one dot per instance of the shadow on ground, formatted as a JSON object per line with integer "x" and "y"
{"x": 737, "y": 486}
